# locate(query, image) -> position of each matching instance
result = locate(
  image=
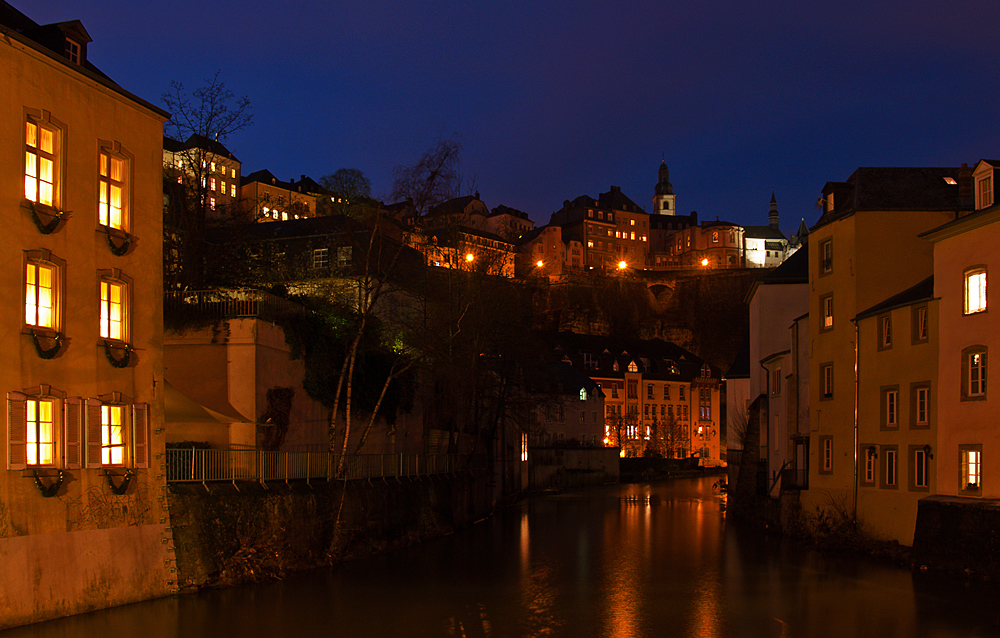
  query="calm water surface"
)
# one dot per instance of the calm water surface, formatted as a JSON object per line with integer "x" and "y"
{"x": 617, "y": 561}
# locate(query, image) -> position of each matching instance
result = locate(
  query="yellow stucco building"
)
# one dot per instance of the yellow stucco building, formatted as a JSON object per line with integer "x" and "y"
{"x": 83, "y": 517}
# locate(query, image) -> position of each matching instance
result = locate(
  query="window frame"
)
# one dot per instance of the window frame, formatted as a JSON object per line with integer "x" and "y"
{"x": 984, "y": 191}
{"x": 889, "y": 407}
{"x": 920, "y": 325}
{"x": 115, "y": 277}
{"x": 965, "y": 452}
{"x": 919, "y": 467}
{"x": 916, "y": 389}
{"x": 44, "y": 258}
{"x": 967, "y": 393}
{"x": 43, "y": 119}
{"x": 320, "y": 258}
{"x": 826, "y": 386}
{"x": 113, "y": 151}
{"x": 826, "y": 257}
{"x": 884, "y": 332}
{"x": 825, "y": 465}
{"x": 967, "y": 275}
{"x": 889, "y": 465}
{"x": 826, "y": 303}
{"x": 869, "y": 474}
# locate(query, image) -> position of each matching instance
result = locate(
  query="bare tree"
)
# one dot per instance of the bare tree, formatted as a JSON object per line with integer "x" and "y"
{"x": 434, "y": 179}
{"x": 350, "y": 188}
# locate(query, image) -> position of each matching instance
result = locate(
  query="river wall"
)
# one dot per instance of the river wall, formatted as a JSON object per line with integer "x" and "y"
{"x": 958, "y": 535}
{"x": 232, "y": 535}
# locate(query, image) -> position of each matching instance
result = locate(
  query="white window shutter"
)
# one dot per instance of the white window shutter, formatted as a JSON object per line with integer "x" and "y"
{"x": 73, "y": 426}
{"x": 92, "y": 412}
{"x": 140, "y": 434}
{"x": 17, "y": 431}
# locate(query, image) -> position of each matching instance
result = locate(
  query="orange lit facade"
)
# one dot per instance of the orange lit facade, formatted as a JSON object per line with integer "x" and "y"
{"x": 82, "y": 495}
{"x": 266, "y": 198}
{"x": 610, "y": 229}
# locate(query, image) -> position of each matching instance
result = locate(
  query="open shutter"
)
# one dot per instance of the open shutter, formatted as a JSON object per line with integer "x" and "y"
{"x": 140, "y": 434}
{"x": 17, "y": 431}
{"x": 92, "y": 414}
{"x": 73, "y": 424}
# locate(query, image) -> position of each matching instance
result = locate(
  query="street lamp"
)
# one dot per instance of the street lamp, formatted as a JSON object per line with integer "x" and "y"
{"x": 539, "y": 263}
{"x": 704, "y": 262}
{"x": 622, "y": 265}
{"x": 470, "y": 257}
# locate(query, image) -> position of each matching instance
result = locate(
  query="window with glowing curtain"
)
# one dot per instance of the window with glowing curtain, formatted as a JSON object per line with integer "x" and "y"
{"x": 41, "y": 444}
{"x": 112, "y": 435}
{"x": 113, "y": 310}
{"x": 40, "y": 295}
{"x": 111, "y": 205}
{"x": 41, "y": 145}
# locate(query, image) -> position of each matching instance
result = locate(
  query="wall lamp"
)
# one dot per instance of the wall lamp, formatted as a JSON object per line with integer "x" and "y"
{"x": 927, "y": 451}
{"x": 872, "y": 452}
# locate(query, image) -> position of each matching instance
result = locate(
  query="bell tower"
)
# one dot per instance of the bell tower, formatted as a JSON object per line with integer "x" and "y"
{"x": 663, "y": 197}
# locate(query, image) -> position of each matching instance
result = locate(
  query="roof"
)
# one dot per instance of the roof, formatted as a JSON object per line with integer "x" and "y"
{"x": 762, "y": 232}
{"x": 571, "y": 380}
{"x": 974, "y": 219}
{"x": 794, "y": 270}
{"x": 506, "y": 210}
{"x": 50, "y": 39}
{"x": 616, "y": 200}
{"x": 265, "y": 176}
{"x": 611, "y": 350}
{"x": 922, "y": 291}
{"x": 893, "y": 188}
{"x": 198, "y": 141}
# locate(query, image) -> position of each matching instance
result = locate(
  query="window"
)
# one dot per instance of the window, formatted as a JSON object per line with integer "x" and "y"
{"x": 826, "y": 379}
{"x": 986, "y": 191}
{"x": 232, "y": 190}
{"x": 614, "y": 390}
{"x": 971, "y": 465}
{"x": 920, "y": 404}
{"x": 975, "y": 290}
{"x": 884, "y": 332}
{"x": 826, "y": 257}
{"x": 680, "y": 393}
{"x": 633, "y": 392}
{"x": 919, "y": 470}
{"x": 666, "y": 391}
{"x": 321, "y": 258}
{"x": 113, "y": 309}
{"x": 632, "y": 367}
{"x": 890, "y": 407}
{"x": 42, "y": 147}
{"x": 583, "y": 394}
{"x": 890, "y": 467}
{"x": 72, "y": 50}
{"x": 920, "y": 324}
{"x": 233, "y": 173}
{"x": 826, "y": 454}
{"x": 589, "y": 361}
{"x": 826, "y": 311}
{"x": 715, "y": 237}
{"x": 974, "y": 373}
{"x": 344, "y": 256}
{"x": 871, "y": 458}
{"x": 111, "y": 208}
{"x": 646, "y": 410}
{"x": 40, "y": 440}
{"x": 649, "y": 392}
{"x": 40, "y": 295}
{"x": 776, "y": 381}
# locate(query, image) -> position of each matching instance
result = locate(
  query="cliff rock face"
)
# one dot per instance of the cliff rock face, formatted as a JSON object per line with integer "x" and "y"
{"x": 701, "y": 312}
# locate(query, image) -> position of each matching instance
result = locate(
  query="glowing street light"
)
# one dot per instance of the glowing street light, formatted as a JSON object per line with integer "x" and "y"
{"x": 704, "y": 262}
{"x": 470, "y": 257}
{"x": 539, "y": 263}
{"x": 622, "y": 265}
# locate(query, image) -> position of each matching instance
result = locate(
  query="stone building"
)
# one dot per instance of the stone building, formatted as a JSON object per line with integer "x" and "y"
{"x": 83, "y": 517}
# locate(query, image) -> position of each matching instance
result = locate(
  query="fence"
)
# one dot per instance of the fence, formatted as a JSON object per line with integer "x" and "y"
{"x": 235, "y": 303}
{"x": 200, "y": 466}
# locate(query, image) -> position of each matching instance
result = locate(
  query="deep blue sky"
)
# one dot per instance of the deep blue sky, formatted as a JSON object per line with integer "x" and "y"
{"x": 556, "y": 99}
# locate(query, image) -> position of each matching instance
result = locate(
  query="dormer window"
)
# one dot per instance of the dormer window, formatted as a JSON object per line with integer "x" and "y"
{"x": 985, "y": 191}
{"x": 829, "y": 202}
{"x": 632, "y": 367}
{"x": 73, "y": 51}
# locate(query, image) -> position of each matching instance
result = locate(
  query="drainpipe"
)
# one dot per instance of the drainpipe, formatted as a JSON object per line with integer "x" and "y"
{"x": 857, "y": 387}
{"x": 767, "y": 421}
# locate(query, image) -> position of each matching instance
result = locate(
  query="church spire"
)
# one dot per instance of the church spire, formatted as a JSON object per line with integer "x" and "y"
{"x": 663, "y": 194}
{"x": 772, "y": 216}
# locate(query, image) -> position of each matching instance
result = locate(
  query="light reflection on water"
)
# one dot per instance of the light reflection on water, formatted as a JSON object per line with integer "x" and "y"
{"x": 616, "y": 562}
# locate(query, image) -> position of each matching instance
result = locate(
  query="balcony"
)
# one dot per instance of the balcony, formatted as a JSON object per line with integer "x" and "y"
{"x": 238, "y": 303}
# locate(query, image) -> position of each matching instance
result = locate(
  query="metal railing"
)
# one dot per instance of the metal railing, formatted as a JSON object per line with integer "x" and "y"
{"x": 234, "y": 303}
{"x": 201, "y": 466}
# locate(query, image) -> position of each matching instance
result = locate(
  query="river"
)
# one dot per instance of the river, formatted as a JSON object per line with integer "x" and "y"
{"x": 616, "y": 561}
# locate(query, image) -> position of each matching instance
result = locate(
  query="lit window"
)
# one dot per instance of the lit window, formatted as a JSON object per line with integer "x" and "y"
{"x": 41, "y": 444}
{"x": 111, "y": 207}
{"x": 212, "y": 184}
{"x": 632, "y": 367}
{"x": 826, "y": 305}
{"x": 211, "y": 167}
{"x": 112, "y": 435}
{"x": 975, "y": 290}
{"x": 232, "y": 190}
{"x": 715, "y": 237}
{"x": 40, "y": 295}
{"x": 321, "y": 258}
{"x": 222, "y": 186}
{"x": 972, "y": 462}
{"x": 41, "y": 163}
{"x": 583, "y": 394}
{"x": 113, "y": 310}
{"x": 211, "y": 203}
{"x": 233, "y": 173}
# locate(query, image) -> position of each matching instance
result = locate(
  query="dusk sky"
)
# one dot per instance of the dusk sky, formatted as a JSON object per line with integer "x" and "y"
{"x": 552, "y": 100}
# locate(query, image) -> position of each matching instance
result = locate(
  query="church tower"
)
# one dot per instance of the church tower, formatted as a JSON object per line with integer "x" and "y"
{"x": 663, "y": 197}
{"x": 772, "y": 216}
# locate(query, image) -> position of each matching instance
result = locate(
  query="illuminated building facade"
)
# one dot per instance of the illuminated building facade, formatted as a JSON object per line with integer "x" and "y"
{"x": 266, "y": 198}
{"x": 82, "y": 494}
{"x": 610, "y": 230}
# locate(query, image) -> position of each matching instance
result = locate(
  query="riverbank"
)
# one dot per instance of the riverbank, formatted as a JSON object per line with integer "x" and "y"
{"x": 233, "y": 535}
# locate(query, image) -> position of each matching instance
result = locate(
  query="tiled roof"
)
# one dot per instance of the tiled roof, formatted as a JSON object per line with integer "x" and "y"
{"x": 923, "y": 291}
